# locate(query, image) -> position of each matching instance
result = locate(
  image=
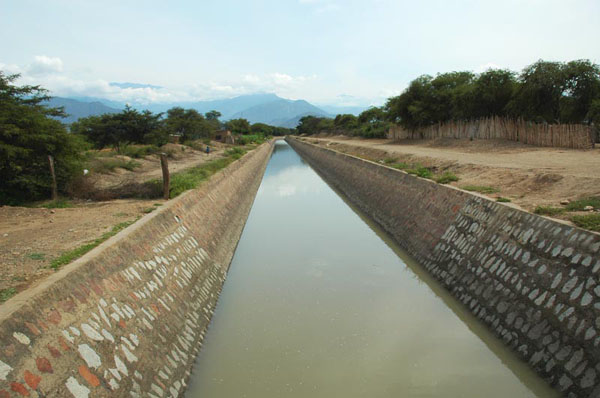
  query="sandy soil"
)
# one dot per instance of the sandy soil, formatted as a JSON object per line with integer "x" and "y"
{"x": 149, "y": 168}
{"x": 30, "y": 238}
{"x": 529, "y": 176}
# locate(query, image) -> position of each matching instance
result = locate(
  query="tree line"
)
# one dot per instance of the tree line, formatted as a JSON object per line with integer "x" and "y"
{"x": 30, "y": 132}
{"x": 544, "y": 92}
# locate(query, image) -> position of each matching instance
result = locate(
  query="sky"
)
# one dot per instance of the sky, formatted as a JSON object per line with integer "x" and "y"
{"x": 334, "y": 52}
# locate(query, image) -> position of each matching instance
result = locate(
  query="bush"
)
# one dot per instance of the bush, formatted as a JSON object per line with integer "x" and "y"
{"x": 251, "y": 139}
{"x": 502, "y": 199}
{"x": 446, "y": 178}
{"x": 588, "y": 221}
{"x": 389, "y": 160}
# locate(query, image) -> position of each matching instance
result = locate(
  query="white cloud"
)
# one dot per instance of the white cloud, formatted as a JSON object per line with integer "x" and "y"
{"x": 43, "y": 65}
{"x": 489, "y": 65}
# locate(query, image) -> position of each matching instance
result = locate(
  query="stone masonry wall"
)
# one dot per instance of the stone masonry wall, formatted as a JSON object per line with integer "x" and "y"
{"x": 128, "y": 319}
{"x": 533, "y": 281}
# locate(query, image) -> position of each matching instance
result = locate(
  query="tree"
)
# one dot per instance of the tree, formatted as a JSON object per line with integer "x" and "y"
{"x": 28, "y": 134}
{"x": 189, "y": 123}
{"x": 492, "y": 92}
{"x": 212, "y": 115}
{"x": 539, "y": 92}
{"x": 238, "y": 126}
{"x": 582, "y": 88}
{"x": 118, "y": 129}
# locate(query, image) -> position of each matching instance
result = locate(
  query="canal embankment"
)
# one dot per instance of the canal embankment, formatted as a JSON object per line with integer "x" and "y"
{"x": 128, "y": 318}
{"x": 531, "y": 280}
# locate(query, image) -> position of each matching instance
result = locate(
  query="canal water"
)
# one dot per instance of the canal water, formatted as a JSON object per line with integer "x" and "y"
{"x": 318, "y": 303}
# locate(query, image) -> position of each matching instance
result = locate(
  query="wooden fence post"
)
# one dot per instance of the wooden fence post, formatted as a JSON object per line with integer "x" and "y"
{"x": 165, "y": 173}
{"x": 54, "y": 186}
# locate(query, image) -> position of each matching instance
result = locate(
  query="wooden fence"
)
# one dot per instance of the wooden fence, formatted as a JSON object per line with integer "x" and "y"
{"x": 577, "y": 136}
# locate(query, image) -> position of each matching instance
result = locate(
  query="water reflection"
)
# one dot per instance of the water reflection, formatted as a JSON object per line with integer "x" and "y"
{"x": 316, "y": 304}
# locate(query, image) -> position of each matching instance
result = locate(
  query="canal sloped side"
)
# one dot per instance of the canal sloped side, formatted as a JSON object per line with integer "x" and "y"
{"x": 319, "y": 303}
{"x": 532, "y": 280}
{"x": 127, "y": 319}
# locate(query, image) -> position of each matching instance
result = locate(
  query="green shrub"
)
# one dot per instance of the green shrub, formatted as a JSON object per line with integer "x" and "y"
{"x": 588, "y": 221}
{"x": 422, "y": 172}
{"x": 235, "y": 152}
{"x": 579, "y": 205}
{"x": 446, "y": 178}
{"x": 57, "y": 204}
{"x": 502, "y": 199}
{"x": 480, "y": 188}
{"x": 105, "y": 165}
{"x": 389, "y": 160}
{"x": 251, "y": 139}
{"x": 138, "y": 151}
{"x": 548, "y": 210}
{"x": 37, "y": 256}
{"x": 5, "y": 294}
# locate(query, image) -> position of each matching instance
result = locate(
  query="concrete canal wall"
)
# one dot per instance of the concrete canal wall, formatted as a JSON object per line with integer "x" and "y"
{"x": 533, "y": 281}
{"x": 128, "y": 318}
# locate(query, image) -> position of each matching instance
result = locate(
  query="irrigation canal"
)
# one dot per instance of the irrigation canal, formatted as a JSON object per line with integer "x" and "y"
{"x": 319, "y": 303}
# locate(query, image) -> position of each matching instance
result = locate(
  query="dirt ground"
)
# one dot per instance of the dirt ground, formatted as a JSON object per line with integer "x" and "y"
{"x": 30, "y": 238}
{"x": 182, "y": 157}
{"x": 529, "y": 176}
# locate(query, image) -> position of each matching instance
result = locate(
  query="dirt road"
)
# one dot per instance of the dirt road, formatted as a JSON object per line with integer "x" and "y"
{"x": 529, "y": 176}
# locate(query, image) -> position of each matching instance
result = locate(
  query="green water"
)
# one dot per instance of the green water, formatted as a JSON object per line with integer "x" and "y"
{"x": 318, "y": 303}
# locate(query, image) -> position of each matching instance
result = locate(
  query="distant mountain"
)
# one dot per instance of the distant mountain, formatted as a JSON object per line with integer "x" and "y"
{"x": 280, "y": 112}
{"x": 76, "y": 109}
{"x": 293, "y": 122}
{"x": 337, "y": 110}
{"x": 133, "y": 85}
{"x": 262, "y": 107}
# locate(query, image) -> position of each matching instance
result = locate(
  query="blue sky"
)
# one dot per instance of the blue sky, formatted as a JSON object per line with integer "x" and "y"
{"x": 325, "y": 51}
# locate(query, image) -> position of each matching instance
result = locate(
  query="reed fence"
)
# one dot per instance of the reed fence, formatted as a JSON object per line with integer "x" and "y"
{"x": 577, "y": 136}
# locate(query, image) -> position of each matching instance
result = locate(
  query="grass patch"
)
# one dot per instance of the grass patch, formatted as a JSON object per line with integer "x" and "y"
{"x": 138, "y": 151}
{"x": 588, "y": 221}
{"x": 148, "y": 210}
{"x": 5, "y": 294}
{"x": 69, "y": 256}
{"x": 420, "y": 171}
{"x": 579, "y": 205}
{"x": 389, "y": 160}
{"x": 191, "y": 178}
{"x": 548, "y": 210}
{"x": 502, "y": 199}
{"x": 104, "y": 165}
{"x": 37, "y": 256}
{"x": 57, "y": 204}
{"x": 251, "y": 139}
{"x": 236, "y": 152}
{"x": 446, "y": 178}
{"x": 400, "y": 166}
{"x": 480, "y": 188}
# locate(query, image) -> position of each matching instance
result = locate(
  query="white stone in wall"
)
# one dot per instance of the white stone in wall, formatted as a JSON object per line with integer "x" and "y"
{"x": 89, "y": 356}
{"x": 78, "y": 390}
{"x": 5, "y": 369}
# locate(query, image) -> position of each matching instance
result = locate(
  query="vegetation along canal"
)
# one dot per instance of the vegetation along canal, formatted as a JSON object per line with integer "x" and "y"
{"x": 318, "y": 303}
